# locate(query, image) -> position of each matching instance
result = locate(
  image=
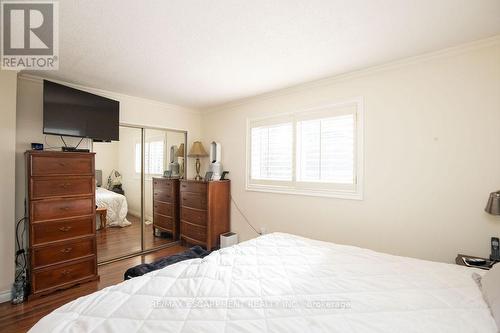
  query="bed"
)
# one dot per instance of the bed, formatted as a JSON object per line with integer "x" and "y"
{"x": 285, "y": 283}
{"x": 116, "y": 206}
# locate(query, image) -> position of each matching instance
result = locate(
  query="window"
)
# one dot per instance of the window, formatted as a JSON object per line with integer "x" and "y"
{"x": 315, "y": 152}
{"x": 153, "y": 158}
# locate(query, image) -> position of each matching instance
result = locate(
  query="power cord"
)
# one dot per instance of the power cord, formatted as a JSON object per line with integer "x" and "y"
{"x": 62, "y": 138}
{"x": 78, "y": 145}
{"x": 20, "y": 250}
{"x": 244, "y": 217}
{"x": 49, "y": 147}
{"x": 20, "y": 286}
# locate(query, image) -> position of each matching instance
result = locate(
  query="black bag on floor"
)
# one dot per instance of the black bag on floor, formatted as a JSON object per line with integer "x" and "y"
{"x": 192, "y": 253}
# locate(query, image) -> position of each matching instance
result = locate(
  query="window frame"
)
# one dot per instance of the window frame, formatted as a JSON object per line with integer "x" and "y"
{"x": 320, "y": 189}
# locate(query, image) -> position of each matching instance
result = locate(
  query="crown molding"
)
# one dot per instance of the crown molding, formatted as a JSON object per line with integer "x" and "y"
{"x": 447, "y": 52}
{"x": 109, "y": 94}
{"x": 450, "y": 51}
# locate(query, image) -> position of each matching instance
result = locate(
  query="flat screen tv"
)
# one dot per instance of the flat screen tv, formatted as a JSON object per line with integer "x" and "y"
{"x": 72, "y": 112}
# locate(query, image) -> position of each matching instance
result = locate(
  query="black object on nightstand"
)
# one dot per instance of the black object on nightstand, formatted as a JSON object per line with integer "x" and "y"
{"x": 475, "y": 262}
{"x": 118, "y": 189}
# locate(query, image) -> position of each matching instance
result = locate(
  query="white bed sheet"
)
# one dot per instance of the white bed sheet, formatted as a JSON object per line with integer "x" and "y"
{"x": 116, "y": 205}
{"x": 285, "y": 283}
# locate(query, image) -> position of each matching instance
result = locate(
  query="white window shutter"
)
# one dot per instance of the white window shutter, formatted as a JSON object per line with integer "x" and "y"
{"x": 271, "y": 152}
{"x": 325, "y": 150}
{"x": 314, "y": 152}
{"x": 154, "y": 153}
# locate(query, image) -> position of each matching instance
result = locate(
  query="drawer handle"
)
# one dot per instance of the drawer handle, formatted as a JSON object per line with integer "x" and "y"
{"x": 66, "y": 272}
{"x": 65, "y": 185}
{"x": 65, "y": 208}
{"x": 66, "y": 250}
{"x": 65, "y": 228}
{"x": 62, "y": 164}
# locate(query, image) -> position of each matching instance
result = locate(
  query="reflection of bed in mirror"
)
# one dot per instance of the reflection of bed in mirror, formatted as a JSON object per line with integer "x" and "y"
{"x": 116, "y": 206}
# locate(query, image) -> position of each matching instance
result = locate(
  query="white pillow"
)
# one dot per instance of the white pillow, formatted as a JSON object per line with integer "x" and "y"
{"x": 490, "y": 285}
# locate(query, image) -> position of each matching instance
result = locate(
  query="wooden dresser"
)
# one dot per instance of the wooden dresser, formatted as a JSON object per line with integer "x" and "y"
{"x": 204, "y": 211}
{"x": 166, "y": 205}
{"x": 61, "y": 210}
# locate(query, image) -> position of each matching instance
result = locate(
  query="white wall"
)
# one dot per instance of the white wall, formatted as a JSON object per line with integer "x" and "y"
{"x": 131, "y": 180}
{"x": 8, "y": 84}
{"x": 431, "y": 156}
{"x": 106, "y": 158}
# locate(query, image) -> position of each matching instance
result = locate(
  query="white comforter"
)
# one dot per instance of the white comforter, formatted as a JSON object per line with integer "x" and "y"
{"x": 116, "y": 205}
{"x": 284, "y": 283}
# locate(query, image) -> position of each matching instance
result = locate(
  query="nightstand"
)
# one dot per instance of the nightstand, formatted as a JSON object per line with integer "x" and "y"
{"x": 459, "y": 261}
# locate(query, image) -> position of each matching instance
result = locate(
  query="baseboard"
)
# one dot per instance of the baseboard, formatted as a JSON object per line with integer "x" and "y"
{"x": 5, "y": 296}
{"x": 134, "y": 213}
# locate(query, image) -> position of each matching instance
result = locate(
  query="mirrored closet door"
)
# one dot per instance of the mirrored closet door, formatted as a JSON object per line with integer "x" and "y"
{"x": 164, "y": 154}
{"x": 136, "y": 190}
{"x": 118, "y": 195}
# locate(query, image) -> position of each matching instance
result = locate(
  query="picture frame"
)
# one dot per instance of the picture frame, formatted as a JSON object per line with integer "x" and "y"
{"x": 167, "y": 174}
{"x": 208, "y": 176}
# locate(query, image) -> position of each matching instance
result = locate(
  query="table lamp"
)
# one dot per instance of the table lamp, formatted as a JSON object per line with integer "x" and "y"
{"x": 493, "y": 205}
{"x": 197, "y": 151}
{"x": 180, "y": 158}
{"x": 493, "y": 208}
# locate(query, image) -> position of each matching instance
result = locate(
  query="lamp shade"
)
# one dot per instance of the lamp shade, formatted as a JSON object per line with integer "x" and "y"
{"x": 197, "y": 150}
{"x": 493, "y": 205}
{"x": 180, "y": 151}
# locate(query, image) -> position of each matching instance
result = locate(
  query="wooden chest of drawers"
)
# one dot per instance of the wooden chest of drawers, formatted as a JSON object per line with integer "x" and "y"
{"x": 166, "y": 206}
{"x": 61, "y": 204}
{"x": 204, "y": 211}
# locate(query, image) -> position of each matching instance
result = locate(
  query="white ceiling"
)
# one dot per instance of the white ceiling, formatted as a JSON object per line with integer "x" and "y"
{"x": 201, "y": 53}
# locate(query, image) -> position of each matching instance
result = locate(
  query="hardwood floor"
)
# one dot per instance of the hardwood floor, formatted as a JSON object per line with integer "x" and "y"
{"x": 20, "y": 318}
{"x": 115, "y": 242}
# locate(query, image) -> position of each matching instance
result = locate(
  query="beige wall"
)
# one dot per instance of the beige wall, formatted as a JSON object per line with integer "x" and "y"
{"x": 431, "y": 157}
{"x": 8, "y": 83}
{"x": 106, "y": 158}
{"x": 131, "y": 180}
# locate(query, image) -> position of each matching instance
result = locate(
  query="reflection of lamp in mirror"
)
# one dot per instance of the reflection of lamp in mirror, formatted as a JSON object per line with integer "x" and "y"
{"x": 197, "y": 151}
{"x": 215, "y": 160}
{"x": 174, "y": 165}
{"x": 180, "y": 158}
